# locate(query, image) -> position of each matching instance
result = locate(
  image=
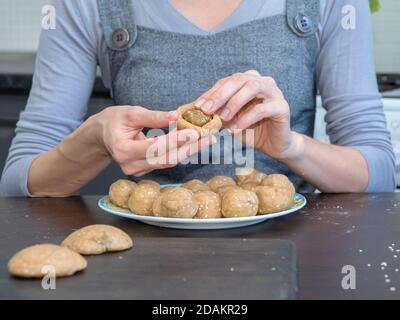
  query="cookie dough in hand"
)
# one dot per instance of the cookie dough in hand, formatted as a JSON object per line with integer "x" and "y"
{"x": 190, "y": 117}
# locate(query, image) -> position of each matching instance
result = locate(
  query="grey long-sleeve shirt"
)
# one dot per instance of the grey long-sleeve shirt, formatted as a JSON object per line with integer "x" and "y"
{"x": 68, "y": 56}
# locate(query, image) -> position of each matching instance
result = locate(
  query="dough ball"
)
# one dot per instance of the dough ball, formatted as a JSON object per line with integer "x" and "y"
{"x": 220, "y": 181}
{"x": 178, "y": 203}
{"x": 279, "y": 181}
{"x": 120, "y": 192}
{"x": 222, "y": 190}
{"x": 97, "y": 239}
{"x": 239, "y": 203}
{"x": 209, "y": 205}
{"x": 190, "y": 117}
{"x": 142, "y": 198}
{"x": 32, "y": 261}
{"x": 245, "y": 175}
{"x": 167, "y": 189}
{"x": 250, "y": 186}
{"x": 150, "y": 182}
{"x": 273, "y": 199}
{"x": 196, "y": 185}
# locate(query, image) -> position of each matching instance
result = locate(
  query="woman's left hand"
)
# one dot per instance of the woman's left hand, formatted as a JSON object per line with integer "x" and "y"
{"x": 251, "y": 101}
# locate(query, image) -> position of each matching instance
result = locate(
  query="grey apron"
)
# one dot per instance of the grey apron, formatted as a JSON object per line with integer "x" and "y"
{"x": 162, "y": 70}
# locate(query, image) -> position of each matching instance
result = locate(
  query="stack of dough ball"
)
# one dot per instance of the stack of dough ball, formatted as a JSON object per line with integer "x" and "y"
{"x": 249, "y": 175}
{"x": 220, "y": 181}
{"x": 177, "y": 203}
{"x": 143, "y": 196}
{"x": 196, "y": 185}
{"x": 275, "y": 194}
{"x": 97, "y": 239}
{"x": 239, "y": 203}
{"x": 209, "y": 205}
{"x": 34, "y": 261}
{"x": 120, "y": 191}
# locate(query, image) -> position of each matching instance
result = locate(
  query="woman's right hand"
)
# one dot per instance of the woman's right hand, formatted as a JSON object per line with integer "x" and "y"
{"x": 119, "y": 133}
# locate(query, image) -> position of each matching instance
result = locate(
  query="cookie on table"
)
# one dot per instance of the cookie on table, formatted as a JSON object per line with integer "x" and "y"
{"x": 97, "y": 239}
{"x": 30, "y": 262}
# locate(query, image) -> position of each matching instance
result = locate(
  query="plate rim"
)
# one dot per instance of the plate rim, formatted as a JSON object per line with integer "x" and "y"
{"x": 131, "y": 215}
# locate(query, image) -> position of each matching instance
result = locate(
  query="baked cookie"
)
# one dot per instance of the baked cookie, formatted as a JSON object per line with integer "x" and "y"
{"x": 30, "y": 262}
{"x": 178, "y": 203}
{"x": 120, "y": 192}
{"x": 142, "y": 198}
{"x": 190, "y": 117}
{"x": 97, "y": 239}
{"x": 239, "y": 203}
{"x": 273, "y": 199}
{"x": 209, "y": 205}
{"x": 220, "y": 181}
{"x": 196, "y": 185}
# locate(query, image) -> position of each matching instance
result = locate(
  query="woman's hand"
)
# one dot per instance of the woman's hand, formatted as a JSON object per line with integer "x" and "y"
{"x": 251, "y": 101}
{"x": 119, "y": 132}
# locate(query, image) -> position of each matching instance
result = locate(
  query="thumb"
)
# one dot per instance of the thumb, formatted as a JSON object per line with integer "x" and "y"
{"x": 142, "y": 117}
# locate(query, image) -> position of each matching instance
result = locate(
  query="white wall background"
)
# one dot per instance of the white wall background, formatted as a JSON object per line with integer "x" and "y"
{"x": 20, "y": 27}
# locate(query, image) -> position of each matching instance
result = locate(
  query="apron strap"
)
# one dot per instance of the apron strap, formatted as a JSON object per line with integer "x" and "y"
{"x": 116, "y": 19}
{"x": 303, "y": 16}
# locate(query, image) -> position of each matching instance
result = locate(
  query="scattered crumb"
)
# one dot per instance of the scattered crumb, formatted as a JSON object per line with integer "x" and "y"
{"x": 369, "y": 265}
{"x": 393, "y": 289}
{"x": 384, "y": 264}
{"x": 273, "y": 269}
{"x": 120, "y": 257}
{"x": 386, "y": 276}
{"x": 232, "y": 269}
{"x": 387, "y": 280}
{"x": 360, "y": 250}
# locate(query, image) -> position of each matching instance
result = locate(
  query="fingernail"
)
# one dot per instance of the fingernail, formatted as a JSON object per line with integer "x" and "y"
{"x": 207, "y": 106}
{"x": 225, "y": 114}
{"x": 200, "y": 102}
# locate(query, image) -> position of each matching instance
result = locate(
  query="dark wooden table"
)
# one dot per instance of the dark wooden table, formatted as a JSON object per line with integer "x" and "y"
{"x": 360, "y": 230}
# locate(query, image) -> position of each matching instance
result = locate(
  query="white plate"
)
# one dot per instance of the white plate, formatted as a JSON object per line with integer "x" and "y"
{"x": 199, "y": 224}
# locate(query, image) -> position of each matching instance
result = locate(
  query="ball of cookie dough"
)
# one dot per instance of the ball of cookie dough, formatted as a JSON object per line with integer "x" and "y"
{"x": 273, "y": 199}
{"x": 222, "y": 190}
{"x": 279, "y": 181}
{"x": 250, "y": 186}
{"x": 239, "y": 203}
{"x": 167, "y": 189}
{"x": 196, "y": 185}
{"x": 32, "y": 262}
{"x": 151, "y": 182}
{"x": 142, "y": 198}
{"x": 245, "y": 175}
{"x": 220, "y": 181}
{"x": 209, "y": 205}
{"x": 178, "y": 203}
{"x": 120, "y": 192}
{"x": 97, "y": 239}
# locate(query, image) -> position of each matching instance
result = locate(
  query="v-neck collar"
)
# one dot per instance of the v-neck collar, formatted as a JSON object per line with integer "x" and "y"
{"x": 235, "y": 18}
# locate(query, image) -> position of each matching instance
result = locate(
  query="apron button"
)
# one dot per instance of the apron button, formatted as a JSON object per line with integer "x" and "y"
{"x": 303, "y": 24}
{"x": 120, "y": 38}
